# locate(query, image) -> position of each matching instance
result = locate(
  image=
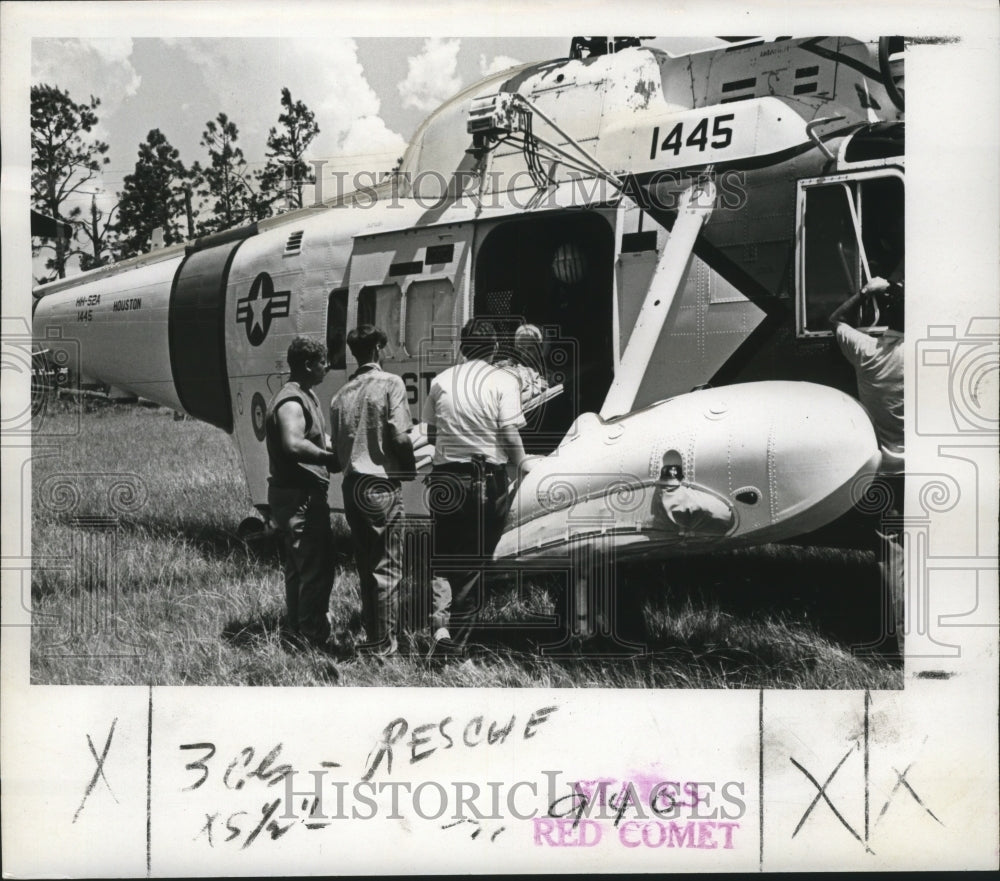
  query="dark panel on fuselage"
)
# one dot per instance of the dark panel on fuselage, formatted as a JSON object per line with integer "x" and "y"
{"x": 197, "y": 338}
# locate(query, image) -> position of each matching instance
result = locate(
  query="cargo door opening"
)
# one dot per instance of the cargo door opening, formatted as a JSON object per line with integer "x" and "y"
{"x": 556, "y": 273}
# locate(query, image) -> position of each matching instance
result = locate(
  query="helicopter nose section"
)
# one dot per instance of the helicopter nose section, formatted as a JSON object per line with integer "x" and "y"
{"x": 821, "y": 444}
{"x": 820, "y": 454}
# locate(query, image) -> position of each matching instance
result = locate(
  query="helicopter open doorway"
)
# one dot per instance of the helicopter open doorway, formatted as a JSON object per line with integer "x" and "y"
{"x": 556, "y": 272}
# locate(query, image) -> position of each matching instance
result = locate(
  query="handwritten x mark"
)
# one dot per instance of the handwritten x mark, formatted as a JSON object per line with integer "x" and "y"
{"x": 98, "y": 770}
{"x": 821, "y": 794}
{"x": 901, "y": 781}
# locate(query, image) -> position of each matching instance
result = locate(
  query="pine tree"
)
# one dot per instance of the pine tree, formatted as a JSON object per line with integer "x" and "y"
{"x": 153, "y": 196}
{"x": 63, "y": 161}
{"x": 233, "y": 192}
{"x": 286, "y": 149}
{"x": 101, "y": 238}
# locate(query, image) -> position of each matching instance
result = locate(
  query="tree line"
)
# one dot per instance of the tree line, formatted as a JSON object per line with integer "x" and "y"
{"x": 184, "y": 201}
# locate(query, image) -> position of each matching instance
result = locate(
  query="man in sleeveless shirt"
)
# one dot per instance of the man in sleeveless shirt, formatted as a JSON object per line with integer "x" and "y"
{"x": 369, "y": 420}
{"x": 297, "y": 491}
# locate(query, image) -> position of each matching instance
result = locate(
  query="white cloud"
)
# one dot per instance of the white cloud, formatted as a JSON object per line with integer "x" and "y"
{"x": 238, "y": 76}
{"x": 111, "y": 49}
{"x": 343, "y": 95}
{"x": 371, "y": 137}
{"x": 499, "y": 62}
{"x": 246, "y": 77}
{"x": 431, "y": 76}
{"x": 87, "y": 67}
{"x": 82, "y": 68}
{"x": 367, "y": 152}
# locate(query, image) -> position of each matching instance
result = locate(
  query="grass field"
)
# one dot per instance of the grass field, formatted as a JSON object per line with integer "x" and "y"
{"x": 170, "y": 595}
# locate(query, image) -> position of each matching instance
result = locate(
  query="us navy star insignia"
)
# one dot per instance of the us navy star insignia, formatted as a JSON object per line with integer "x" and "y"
{"x": 263, "y": 303}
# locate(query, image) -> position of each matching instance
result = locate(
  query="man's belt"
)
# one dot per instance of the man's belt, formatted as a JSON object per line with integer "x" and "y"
{"x": 469, "y": 467}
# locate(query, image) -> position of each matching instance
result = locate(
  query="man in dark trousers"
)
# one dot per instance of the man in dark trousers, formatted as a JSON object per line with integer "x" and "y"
{"x": 369, "y": 420}
{"x": 297, "y": 491}
{"x": 878, "y": 366}
{"x": 473, "y": 414}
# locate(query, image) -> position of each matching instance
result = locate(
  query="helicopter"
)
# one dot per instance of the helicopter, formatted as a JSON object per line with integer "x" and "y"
{"x": 678, "y": 226}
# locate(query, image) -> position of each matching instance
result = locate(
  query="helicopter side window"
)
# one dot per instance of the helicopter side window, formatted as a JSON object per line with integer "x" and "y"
{"x": 850, "y": 231}
{"x": 430, "y": 313}
{"x": 381, "y": 305}
{"x": 883, "y": 226}
{"x": 830, "y": 265}
{"x": 336, "y": 329}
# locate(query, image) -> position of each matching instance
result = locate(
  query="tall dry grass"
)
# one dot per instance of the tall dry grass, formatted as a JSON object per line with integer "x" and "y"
{"x": 194, "y": 604}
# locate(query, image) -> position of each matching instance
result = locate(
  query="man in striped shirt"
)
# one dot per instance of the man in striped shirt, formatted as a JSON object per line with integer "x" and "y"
{"x": 369, "y": 421}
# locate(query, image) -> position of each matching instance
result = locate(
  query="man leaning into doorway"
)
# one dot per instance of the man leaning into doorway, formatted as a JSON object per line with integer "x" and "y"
{"x": 369, "y": 420}
{"x": 297, "y": 489}
{"x": 473, "y": 414}
{"x": 878, "y": 366}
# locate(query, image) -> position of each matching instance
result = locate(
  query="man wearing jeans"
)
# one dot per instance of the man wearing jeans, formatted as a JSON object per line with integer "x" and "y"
{"x": 297, "y": 489}
{"x": 473, "y": 414}
{"x": 369, "y": 420}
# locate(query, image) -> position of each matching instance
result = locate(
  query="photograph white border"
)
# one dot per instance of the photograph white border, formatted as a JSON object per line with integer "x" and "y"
{"x": 936, "y": 739}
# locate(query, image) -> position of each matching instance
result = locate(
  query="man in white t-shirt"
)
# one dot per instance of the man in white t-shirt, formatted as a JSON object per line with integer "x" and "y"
{"x": 878, "y": 366}
{"x": 473, "y": 414}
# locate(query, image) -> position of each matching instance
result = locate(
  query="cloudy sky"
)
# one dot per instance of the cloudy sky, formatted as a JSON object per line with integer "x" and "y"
{"x": 369, "y": 95}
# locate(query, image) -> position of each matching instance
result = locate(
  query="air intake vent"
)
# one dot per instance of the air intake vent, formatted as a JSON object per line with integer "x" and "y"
{"x": 294, "y": 243}
{"x": 440, "y": 254}
{"x": 413, "y": 267}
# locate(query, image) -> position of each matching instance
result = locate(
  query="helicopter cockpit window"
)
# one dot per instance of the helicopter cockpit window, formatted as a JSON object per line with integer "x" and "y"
{"x": 851, "y": 231}
{"x": 430, "y": 312}
{"x": 381, "y": 305}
